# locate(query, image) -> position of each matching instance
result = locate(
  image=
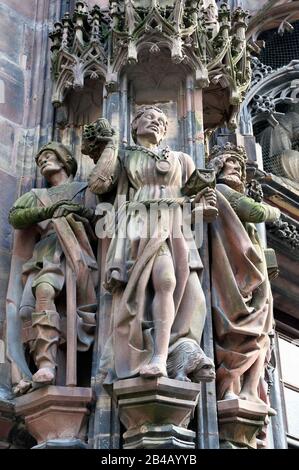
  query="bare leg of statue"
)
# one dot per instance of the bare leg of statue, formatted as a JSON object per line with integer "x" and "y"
{"x": 163, "y": 277}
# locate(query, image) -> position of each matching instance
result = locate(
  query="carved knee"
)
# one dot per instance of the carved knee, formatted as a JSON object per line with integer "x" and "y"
{"x": 45, "y": 295}
{"x": 166, "y": 283}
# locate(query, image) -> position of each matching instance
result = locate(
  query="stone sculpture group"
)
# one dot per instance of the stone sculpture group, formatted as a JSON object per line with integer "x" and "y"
{"x": 153, "y": 273}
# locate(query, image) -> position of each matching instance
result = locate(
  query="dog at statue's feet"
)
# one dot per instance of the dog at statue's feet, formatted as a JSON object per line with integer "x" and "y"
{"x": 187, "y": 362}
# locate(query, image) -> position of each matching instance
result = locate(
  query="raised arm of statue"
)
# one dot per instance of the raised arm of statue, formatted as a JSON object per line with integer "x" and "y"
{"x": 154, "y": 271}
{"x": 100, "y": 142}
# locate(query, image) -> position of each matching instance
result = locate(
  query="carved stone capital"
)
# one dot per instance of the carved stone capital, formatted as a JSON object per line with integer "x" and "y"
{"x": 156, "y": 412}
{"x": 239, "y": 423}
{"x": 55, "y": 415}
{"x": 7, "y": 421}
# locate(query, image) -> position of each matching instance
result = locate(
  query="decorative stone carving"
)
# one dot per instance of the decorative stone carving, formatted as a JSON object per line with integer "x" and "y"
{"x": 55, "y": 416}
{"x": 273, "y": 16}
{"x": 262, "y": 104}
{"x": 286, "y": 232}
{"x": 241, "y": 346}
{"x": 78, "y": 50}
{"x": 239, "y": 369}
{"x": 189, "y": 359}
{"x": 141, "y": 270}
{"x": 209, "y": 42}
{"x": 259, "y": 71}
{"x": 254, "y": 190}
{"x": 152, "y": 416}
{"x": 273, "y": 91}
{"x": 51, "y": 292}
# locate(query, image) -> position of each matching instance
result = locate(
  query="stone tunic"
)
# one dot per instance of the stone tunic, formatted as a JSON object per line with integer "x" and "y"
{"x": 58, "y": 241}
{"x": 130, "y": 260}
{"x": 146, "y": 183}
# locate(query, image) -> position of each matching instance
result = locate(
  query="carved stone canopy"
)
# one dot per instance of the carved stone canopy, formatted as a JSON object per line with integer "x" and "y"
{"x": 206, "y": 41}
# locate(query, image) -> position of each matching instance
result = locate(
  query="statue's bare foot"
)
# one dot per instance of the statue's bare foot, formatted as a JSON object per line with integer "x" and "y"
{"x": 157, "y": 369}
{"x": 22, "y": 387}
{"x": 183, "y": 378}
{"x": 229, "y": 395}
{"x": 272, "y": 411}
{"x": 251, "y": 397}
{"x": 45, "y": 375}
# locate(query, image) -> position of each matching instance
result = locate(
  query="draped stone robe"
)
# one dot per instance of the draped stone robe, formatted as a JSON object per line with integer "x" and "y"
{"x": 241, "y": 293}
{"x": 132, "y": 257}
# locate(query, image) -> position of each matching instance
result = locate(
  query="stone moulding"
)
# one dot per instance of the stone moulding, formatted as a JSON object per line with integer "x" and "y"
{"x": 239, "y": 423}
{"x": 270, "y": 88}
{"x": 271, "y": 16}
{"x": 156, "y": 412}
{"x": 55, "y": 414}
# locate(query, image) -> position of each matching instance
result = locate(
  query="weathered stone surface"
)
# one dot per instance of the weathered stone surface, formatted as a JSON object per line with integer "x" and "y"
{"x": 11, "y": 33}
{"x": 239, "y": 422}
{"x": 8, "y": 195}
{"x": 167, "y": 436}
{"x": 54, "y": 412}
{"x": 26, "y": 8}
{"x": 156, "y": 412}
{"x": 13, "y": 80}
{"x": 7, "y": 140}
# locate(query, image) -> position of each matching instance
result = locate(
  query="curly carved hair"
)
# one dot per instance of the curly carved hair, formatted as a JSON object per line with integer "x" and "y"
{"x": 142, "y": 110}
{"x": 220, "y": 154}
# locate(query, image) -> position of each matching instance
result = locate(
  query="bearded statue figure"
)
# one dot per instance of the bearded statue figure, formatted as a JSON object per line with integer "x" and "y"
{"x": 241, "y": 293}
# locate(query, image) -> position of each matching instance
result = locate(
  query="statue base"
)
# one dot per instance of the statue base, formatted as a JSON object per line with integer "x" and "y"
{"x": 156, "y": 412}
{"x": 166, "y": 436}
{"x": 54, "y": 416}
{"x": 7, "y": 421}
{"x": 239, "y": 423}
{"x": 62, "y": 444}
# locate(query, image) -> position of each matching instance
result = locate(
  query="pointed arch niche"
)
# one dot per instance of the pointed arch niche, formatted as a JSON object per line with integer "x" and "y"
{"x": 157, "y": 79}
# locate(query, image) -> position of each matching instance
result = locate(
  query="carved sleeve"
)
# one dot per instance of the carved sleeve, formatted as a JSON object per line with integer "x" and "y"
{"x": 247, "y": 209}
{"x": 26, "y": 213}
{"x": 106, "y": 172}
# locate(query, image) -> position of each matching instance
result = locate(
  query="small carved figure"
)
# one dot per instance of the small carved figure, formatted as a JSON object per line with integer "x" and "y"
{"x": 186, "y": 360}
{"x": 153, "y": 275}
{"x": 52, "y": 239}
{"x": 241, "y": 292}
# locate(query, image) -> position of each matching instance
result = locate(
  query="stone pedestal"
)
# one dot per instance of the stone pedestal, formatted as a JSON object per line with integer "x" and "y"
{"x": 7, "y": 421}
{"x": 54, "y": 415}
{"x": 156, "y": 412}
{"x": 239, "y": 423}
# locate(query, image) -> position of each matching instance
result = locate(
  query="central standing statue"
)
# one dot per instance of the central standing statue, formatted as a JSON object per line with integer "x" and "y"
{"x": 153, "y": 274}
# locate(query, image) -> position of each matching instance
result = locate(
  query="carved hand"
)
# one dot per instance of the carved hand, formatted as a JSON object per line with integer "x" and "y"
{"x": 209, "y": 195}
{"x": 208, "y": 198}
{"x": 72, "y": 208}
{"x": 98, "y": 136}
